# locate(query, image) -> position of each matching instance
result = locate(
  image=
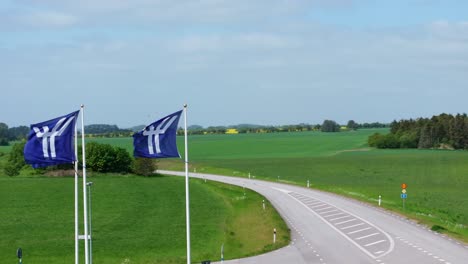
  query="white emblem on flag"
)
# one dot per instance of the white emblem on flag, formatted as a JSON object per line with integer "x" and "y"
{"x": 153, "y": 134}
{"x": 48, "y": 138}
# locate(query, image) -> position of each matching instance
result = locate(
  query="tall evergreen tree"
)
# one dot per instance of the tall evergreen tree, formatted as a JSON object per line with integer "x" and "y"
{"x": 443, "y": 130}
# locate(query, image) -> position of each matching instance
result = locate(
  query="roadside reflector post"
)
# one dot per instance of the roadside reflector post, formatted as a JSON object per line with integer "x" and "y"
{"x": 380, "y": 200}
{"x": 19, "y": 254}
{"x": 222, "y": 253}
{"x": 308, "y": 184}
{"x": 274, "y": 235}
{"x": 263, "y": 202}
{"x": 249, "y": 175}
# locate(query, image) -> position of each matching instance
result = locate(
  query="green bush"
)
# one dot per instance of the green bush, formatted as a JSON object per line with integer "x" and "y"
{"x": 123, "y": 161}
{"x": 144, "y": 166}
{"x": 409, "y": 140}
{"x": 438, "y": 228}
{"x": 11, "y": 170}
{"x": 383, "y": 141}
{"x": 374, "y": 139}
{"x": 15, "y": 159}
{"x": 106, "y": 158}
{"x": 390, "y": 141}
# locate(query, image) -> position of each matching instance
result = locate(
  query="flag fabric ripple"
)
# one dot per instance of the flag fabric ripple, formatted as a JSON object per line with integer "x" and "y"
{"x": 51, "y": 142}
{"x": 158, "y": 140}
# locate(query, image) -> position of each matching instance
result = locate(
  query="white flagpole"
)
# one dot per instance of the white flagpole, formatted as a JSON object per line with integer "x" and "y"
{"x": 76, "y": 195}
{"x": 187, "y": 200}
{"x": 85, "y": 204}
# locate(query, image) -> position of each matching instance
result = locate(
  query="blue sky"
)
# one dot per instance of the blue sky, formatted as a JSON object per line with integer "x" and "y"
{"x": 266, "y": 62}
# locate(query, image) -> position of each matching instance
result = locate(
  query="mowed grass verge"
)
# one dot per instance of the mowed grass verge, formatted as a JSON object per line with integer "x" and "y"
{"x": 135, "y": 220}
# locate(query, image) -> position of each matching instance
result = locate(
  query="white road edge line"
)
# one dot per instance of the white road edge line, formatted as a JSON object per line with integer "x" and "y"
{"x": 281, "y": 190}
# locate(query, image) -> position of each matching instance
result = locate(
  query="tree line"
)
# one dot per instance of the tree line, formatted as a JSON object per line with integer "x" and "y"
{"x": 103, "y": 130}
{"x": 8, "y": 134}
{"x": 326, "y": 126}
{"x": 442, "y": 131}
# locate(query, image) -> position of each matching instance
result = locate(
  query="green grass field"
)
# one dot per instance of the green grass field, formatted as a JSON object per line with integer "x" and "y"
{"x": 253, "y": 146}
{"x": 135, "y": 220}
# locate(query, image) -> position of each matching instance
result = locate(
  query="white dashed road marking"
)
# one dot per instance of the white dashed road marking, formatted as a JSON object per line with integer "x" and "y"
{"x": 367, "y": 237}
{"x": 360, "y": 230}
{"x": 375, "y": 243}
{"x": 348, "y": 227}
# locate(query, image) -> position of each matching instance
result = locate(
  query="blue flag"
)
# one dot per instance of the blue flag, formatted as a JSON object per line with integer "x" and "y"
{"x": 51, "y": 142}
{"x": 158, "y": 140}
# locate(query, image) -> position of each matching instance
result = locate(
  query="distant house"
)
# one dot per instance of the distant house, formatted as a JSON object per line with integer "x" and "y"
{"x": 232, "y": 131}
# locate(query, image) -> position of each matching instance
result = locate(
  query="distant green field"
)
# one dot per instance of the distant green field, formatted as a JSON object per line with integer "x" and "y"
{"x": 274, "y": 145}
{"x": 135, "y": 220}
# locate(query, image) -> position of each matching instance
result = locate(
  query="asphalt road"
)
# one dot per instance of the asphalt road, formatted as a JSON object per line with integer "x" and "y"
{"x": 327, "y": 228}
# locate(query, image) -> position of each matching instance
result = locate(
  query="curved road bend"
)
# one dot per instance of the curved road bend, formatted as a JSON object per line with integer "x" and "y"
{"x": 327, "y": 228}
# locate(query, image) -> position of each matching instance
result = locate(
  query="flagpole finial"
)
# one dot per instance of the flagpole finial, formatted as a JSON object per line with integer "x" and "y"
{"x": 185, "y": 105}
{"x": 82, "y": 105}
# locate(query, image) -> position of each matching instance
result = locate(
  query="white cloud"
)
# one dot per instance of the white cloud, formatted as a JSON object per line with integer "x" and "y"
{"x": 446, "y": 29}
{"x": 233, "y": 42}
{"x": 140, "y": 12}
{"x": 47, "y": 19}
